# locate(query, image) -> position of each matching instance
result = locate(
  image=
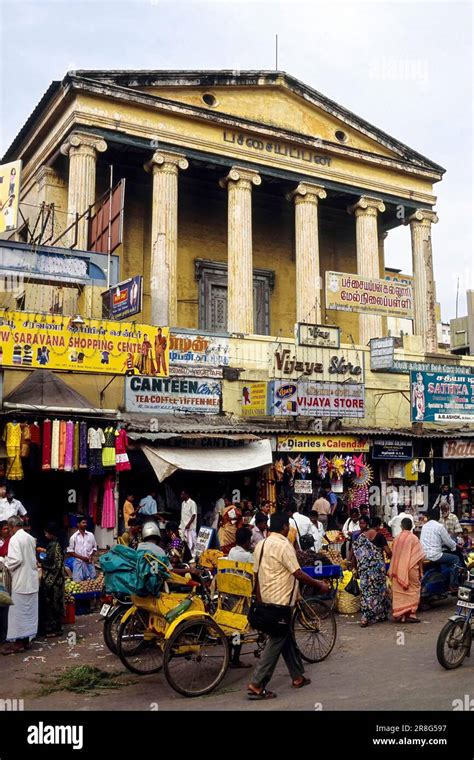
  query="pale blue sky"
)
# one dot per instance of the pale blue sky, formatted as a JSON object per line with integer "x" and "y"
{"x": 406, "y": 67}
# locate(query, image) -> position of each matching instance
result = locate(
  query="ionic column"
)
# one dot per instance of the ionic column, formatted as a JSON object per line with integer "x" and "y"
{"x": 423, "y": 279}
{"x": 308, "y": 278}
{"x": 365, "y": 210}
{"x": 164, "y": 166}
{"x": 239, "y": 183}
{"x": 82, "y": 149}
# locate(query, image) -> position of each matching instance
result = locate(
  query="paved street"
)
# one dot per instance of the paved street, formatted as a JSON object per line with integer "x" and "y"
{"x": 367, "y": 670}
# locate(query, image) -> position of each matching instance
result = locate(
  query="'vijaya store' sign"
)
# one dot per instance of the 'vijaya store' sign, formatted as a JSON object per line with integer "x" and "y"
{"x": 307, "y": 363}
{"x": 276, "y": 148}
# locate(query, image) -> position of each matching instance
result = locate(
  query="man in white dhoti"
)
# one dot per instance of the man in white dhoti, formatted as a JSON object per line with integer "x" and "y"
{"x": 23, "y": 613}
{"x": 187, "y": 526}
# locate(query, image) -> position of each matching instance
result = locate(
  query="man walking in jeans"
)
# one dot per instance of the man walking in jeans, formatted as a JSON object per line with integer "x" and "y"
{"x": 277, "y": 573}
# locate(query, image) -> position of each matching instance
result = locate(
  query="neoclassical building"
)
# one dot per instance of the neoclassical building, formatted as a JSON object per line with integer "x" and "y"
{"x": 242, "y": 190}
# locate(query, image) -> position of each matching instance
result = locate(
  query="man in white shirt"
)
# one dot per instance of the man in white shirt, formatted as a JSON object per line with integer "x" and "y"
{"x": 220, "y": 505}
{"x": 265, "y": 508}
{"x": 434, "y": 538}
{"x": 395, "y": 524}
{"x": 241, "y": 551}
{"x": 391, "y": 503}
{"x": 21, "y": 562}
{"x": 302, "y": 524}
{"x": 444, "y": 497}
{"x": 187, "y": 526}
{"x": 11, "y": 507}
{"x": 318, "y": 530}
{"x": 82, "y": 547}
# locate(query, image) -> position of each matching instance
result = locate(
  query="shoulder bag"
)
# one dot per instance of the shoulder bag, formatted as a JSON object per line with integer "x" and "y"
{"x": 306, "y": 541}
{"x": 272, "y": 619}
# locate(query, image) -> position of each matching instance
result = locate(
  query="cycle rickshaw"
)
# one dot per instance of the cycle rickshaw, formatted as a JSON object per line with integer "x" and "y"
{"x": 175, "y": 632}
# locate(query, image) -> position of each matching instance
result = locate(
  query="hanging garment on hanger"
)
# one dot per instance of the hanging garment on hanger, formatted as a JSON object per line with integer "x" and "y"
{"x": 62, "y": 444}
{"x": 46, "y": 453}
{"x": 12, "y": 438}
{"x": 108, "y": 505}
{"x": 422, "y": 466}
{"x": 35, "y": 447}
{"x": 25, "y": 440}
{"x": 69, "y": 455}
{"x": 95, "y": 439}
{"x": 55, "y": 445}
{"x": 93, "y": 500}
{"x": 83, "y": 451}
{"x": 108, "y": 452}
{"x": 122, "y": 461}
{"x": 76, "y": 446}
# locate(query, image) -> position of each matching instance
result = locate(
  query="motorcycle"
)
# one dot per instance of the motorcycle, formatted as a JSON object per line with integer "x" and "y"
{"x": 113, "y": 607}
{"x": 435, "y": 583}
{"x": 454, "y": 640}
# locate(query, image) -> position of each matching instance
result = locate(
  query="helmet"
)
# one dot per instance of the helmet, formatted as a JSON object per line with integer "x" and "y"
{"x": 150, "y": 529}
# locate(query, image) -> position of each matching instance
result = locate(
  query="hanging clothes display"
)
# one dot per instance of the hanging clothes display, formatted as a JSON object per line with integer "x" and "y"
{"x": 25, "y": 440}
{"x": 34, "y": 460}
{"x": 93, "y": 500}
{"x": 46, "y": 452}
{"x": 83, "y": 446}
{"x": 108, "y": 505}
{"x": 69, "y": 454}
{"x": 55, "y": 445}
{"x": 108, "y": 452}
{"x": 62, "y": 444}
{"x": 95, "y": 439}
{"x": 12, "y": 438}
{"x": 76, "y": 447}
{"x": 122, "y": 461}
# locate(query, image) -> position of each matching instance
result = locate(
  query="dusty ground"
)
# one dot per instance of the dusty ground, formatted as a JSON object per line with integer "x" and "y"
{"x": 368, "y": 670}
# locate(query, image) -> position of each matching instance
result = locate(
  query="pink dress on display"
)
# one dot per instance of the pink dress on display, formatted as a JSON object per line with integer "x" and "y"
{"x": 108, "y": 507}
{"x": 69, "y": 456}
{"x": 122, "y": 461}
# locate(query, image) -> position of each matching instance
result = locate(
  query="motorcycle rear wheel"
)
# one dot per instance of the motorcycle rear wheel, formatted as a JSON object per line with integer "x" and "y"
{"x": 453, "y": 644}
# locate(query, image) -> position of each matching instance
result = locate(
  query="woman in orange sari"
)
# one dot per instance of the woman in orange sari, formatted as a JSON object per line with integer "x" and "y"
{"x": 230, "y": 520}
{"x": 406, "y": 570}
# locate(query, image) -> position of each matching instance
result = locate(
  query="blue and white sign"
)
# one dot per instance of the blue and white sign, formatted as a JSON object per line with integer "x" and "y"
{"x": 441, "y": 397}
{"x": 124, "y": 299}
{"x": 155, "y": 395}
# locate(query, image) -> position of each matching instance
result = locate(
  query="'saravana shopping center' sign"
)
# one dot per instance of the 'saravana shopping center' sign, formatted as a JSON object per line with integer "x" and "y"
{"x": 441, "y": 397}
{"x": 351, "y": 292}
{"x": 156, "y": 395}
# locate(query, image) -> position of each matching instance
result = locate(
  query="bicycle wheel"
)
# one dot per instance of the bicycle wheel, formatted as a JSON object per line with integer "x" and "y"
{"x": 314, "y": 629}
{"x": 453, "y": 644}
{"x": 111, "y": 627}
{"x": 138, "y": 648}
{"x": 196, "y": 657}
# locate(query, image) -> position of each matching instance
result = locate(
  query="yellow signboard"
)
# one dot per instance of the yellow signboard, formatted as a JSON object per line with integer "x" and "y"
{"x": 321, "y": 443}
{"x": 9, "y": 195}
{"x": 32, "y": 341}
{"x": 351, "y": 292}
{"x": 254, "y": 400}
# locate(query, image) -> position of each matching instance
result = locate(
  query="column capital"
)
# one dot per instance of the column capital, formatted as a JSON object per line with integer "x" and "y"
{"x": 423, "y": 216}
{"x": 83, "y": 142}
{"x": 240, "y": 175}
{"x": 166, "y": 161}
{"x": 366, "y": 206}
{"x": 306, "y": 192}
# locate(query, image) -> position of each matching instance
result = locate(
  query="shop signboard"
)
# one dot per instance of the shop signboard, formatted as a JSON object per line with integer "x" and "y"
{"x": 254, "y": 400}
{"x": 382, "y": 359}
{"x": 441, "y": 397}
{"x": 32, "y": 341}
{"x": 292, "y": 362}
{"x": 155, "y": 395}
{"x": 303, "y": 486}
{"x": 462, "y": 448}
{"x": 388, "y": 448}
{"x": 206, "y": 353}
{"x": 351, "y": 292}
{"x": 319, "y": 443}
{"x": 124, "y": 299}
{"x": 204, "y": 540}
{"x": 10, "y": 175}
{"x": 314, "y": 399}
{"x": 320, "y": 336}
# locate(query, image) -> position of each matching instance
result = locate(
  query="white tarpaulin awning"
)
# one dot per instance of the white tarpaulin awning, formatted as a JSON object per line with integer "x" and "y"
{"x": 165, "y": 461}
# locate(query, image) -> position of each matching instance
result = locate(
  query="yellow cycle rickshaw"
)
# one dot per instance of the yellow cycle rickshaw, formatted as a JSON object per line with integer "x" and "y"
{"x": 174, "y": 631}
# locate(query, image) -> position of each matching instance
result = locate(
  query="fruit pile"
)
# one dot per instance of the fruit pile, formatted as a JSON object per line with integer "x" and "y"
{"x": 81, "y": 587}
{"x": 334, "y": 555}
{"x": 335, "y": 536}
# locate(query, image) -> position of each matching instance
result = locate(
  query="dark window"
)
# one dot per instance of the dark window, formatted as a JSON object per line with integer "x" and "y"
{"x": 212, "y": 277}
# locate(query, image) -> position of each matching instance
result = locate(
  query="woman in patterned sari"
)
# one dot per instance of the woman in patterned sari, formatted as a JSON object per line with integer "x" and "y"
{"x": 51, "y": 598}
{"x": 370, "y": 566}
